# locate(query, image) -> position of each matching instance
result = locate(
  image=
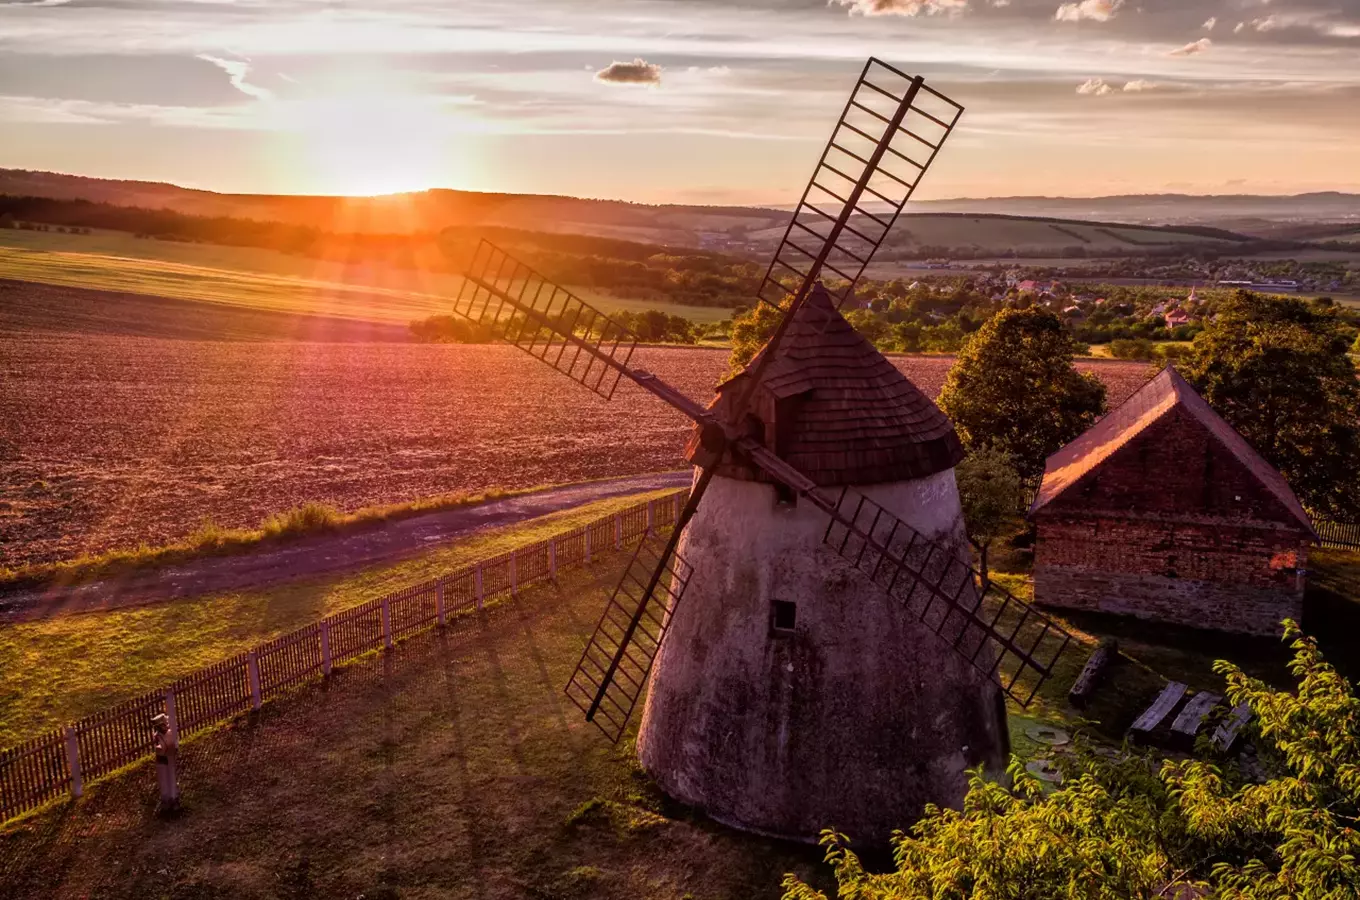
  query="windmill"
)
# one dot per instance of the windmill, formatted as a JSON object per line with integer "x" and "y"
{"x": 835, "y": 659}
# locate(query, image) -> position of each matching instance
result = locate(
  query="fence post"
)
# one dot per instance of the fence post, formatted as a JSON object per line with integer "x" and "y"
{"x": 514, "y": 572}
{"x": 478, "y": 580}
{"x": 253, "y": 670}
{"x": 587, "y": 543}
{"x": 675, "y": 508}
{"x": 171, "y": 717}
{"x": 651, "y": 514}
{"x": 552, "y": 558}
{"x": 386, "y": 623}
{"x": 439, "y": 604}
{"x": 73, "y": 762}
{"x": 618, "y": 531}
{"x": 326, "y": 648}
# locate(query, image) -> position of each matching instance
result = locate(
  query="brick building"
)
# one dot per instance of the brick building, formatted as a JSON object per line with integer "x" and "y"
{"x": 1161, "y": 510}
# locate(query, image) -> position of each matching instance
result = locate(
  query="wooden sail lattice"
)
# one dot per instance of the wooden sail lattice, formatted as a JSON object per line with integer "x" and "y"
{"x": 613, "y": 669}
{"x": 889, "y": 134}
{"x": 519, "y": 306}
{"x": 1000, "y": 635}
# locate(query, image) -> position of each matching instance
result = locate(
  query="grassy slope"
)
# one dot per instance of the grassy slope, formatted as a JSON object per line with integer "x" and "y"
{"x": 254, "y": 278}
{"x": 451, "y": 767}
{"x": 57, "y": 670}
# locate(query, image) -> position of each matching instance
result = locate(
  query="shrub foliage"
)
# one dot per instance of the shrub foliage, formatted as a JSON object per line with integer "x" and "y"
{"x": 1126, "y": 828}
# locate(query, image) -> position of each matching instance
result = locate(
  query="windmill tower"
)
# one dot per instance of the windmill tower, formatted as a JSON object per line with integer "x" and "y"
{"x": 843, "y": 664}
{"x": 781, "y": 701}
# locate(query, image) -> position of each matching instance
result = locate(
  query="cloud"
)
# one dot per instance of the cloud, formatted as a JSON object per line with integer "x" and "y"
{"x": 237, "y": 70}
{"x": 639, "y": 71}
{"x": 1192, "y": 48}
{"x": 1095, "y": 87}
{"x": 1239, "y": 26}
{"x": 1095, "y": 10}
{"x": 1139, "y": 84}
{"x": 1209, "y": 23}
{"x": 903, "y": 7}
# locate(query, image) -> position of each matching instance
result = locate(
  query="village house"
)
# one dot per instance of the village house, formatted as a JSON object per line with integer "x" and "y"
{"x": 1162, "y": 511}
{"x": 1176, "y": 318}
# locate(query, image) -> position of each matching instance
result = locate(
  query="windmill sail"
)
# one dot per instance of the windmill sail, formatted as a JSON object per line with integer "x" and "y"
{"x": 613, "y": 668}
{"x": 889, "y": 134}
{"x": 1000, "y": 635}
{"x": 519, "y": 306}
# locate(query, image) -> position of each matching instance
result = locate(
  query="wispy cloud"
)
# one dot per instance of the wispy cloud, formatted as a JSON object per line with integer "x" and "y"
{"x": 1209, "y": 23}
{"x": 1139, "y": 84}
{"x": 638, "y": 71}
{"x": 237, "y": 70}
{"x": 1095, "y": 10}
{"x": 1192, "y": 48}
{"x": 902, "y": 7}
{"x": 1095, "y": 87}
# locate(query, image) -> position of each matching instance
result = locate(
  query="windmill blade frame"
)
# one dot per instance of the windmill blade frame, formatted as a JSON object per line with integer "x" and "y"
{"x": 873, "y": 150}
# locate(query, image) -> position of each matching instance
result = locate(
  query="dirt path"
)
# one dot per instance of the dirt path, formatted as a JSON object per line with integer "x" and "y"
{"x": 320, "y": 555}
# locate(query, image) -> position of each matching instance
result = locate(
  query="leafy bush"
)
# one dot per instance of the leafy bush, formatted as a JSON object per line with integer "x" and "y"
{"x": 1124, "y": 829}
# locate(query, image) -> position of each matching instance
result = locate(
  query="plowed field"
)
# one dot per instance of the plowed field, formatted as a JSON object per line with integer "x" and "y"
{"x": 110, "y": 441}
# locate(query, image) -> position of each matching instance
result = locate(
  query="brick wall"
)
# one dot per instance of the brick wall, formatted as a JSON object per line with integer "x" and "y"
{"x": 1203, "y": 574}
{"x": 1172, "y": 527}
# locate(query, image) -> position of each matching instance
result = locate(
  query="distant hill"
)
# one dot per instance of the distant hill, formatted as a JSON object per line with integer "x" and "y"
{"x": 1250, "y": 213}
{"x": 1028, "y": 227}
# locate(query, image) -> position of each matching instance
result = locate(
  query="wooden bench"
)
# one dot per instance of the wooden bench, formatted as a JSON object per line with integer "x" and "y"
{"x": 1188, "y": 723}
{"x": 1225, "y": 735}
{"x": 1161, "y": 708}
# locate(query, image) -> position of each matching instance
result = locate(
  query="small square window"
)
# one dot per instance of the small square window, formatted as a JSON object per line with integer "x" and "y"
{"x": 785, "y": 615}
{"x": 785, "y": 495}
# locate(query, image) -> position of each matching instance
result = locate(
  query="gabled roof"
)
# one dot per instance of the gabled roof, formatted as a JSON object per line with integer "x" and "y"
{"x": 836, "y": 409}
{"x": 1167, "y": 391}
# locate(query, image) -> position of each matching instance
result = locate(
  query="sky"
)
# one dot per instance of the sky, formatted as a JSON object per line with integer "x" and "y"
{"x": 691, "y": 101}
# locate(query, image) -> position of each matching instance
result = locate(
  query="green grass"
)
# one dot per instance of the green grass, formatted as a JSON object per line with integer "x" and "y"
{"x": 258, "y": 279}
{"x": 56, "y": 670}
{"x": 449, "y": 767}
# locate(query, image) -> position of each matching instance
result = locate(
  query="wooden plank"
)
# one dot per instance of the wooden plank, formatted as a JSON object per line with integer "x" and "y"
{"x": 1225, "y": 735}
{"x": 1160, "y": 708}
{"x": 1192, "y": 717}
{"x": 1086, "y": 682}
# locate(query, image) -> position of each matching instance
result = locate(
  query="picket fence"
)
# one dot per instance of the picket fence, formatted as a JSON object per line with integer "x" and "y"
{"x": 62, "y": 762}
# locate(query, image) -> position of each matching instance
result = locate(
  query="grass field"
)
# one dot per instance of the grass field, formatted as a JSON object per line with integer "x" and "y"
{"x": 57, "y": 670}
{"x": 452, "y": 766}
{"x": 256, "y": 279}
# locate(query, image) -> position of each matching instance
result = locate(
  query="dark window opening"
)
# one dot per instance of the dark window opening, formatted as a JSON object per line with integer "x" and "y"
{"x": 1171, "y": 567}
{"x": 785, "y": 615}
{"x": 785, "y": 495}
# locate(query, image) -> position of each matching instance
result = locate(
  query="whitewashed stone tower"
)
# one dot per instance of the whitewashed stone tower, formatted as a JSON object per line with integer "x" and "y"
{"x": 790, "y": 695}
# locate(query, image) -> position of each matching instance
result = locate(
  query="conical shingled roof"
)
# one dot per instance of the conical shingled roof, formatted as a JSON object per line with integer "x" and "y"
{"x": 833, "y": 407}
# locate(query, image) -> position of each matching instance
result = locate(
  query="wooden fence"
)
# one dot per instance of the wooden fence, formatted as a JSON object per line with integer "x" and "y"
{"x": 1339, "y": 535}
{"x": 61, "y": 762}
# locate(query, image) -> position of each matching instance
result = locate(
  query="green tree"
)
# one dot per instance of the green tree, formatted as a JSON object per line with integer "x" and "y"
{"x": 1125, "y": 829}
{"x": 990, "y": 492}
{"x": 1277, "y": 370}
{"x": 750, "y": 331}
{"x": 1013, "y": 388}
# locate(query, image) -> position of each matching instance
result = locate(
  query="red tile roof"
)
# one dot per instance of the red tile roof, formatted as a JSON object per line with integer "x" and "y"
{"x": 836, "y": 409}
{"x": 1147, "y": 405}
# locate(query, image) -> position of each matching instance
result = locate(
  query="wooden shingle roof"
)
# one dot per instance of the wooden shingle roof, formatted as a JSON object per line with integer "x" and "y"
{"x": 1148, "y": 405}
{"x": 832, "y": 406}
